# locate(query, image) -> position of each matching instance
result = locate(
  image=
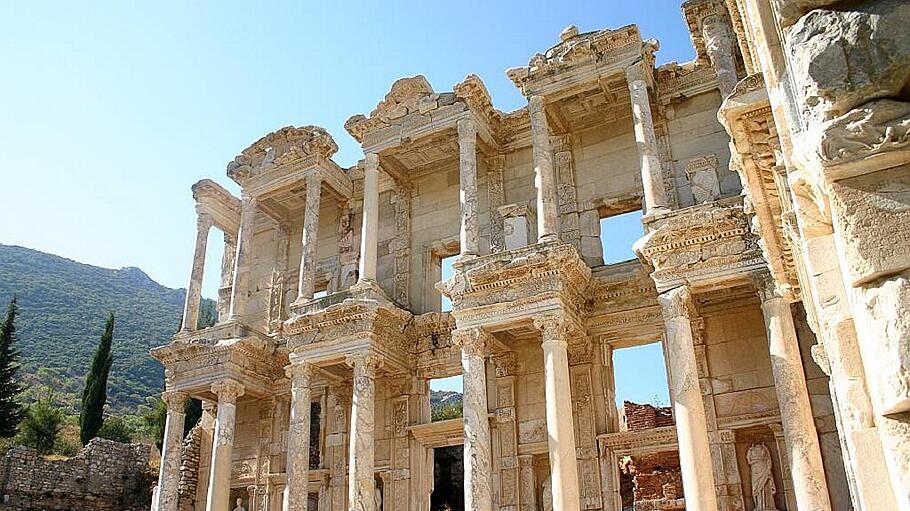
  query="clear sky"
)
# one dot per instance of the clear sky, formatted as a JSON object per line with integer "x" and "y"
{"x": 109, "y": 111}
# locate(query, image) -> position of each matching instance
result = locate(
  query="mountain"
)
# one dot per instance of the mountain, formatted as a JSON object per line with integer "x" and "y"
{"x": 440, "y": 398}
{"x": 63, "y": 305}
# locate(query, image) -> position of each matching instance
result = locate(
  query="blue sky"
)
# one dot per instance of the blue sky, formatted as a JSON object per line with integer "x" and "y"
{"x": 109, "y": 111}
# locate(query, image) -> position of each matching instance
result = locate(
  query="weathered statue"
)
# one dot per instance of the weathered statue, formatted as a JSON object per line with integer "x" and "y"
{"x": 763, "y": 488}
{"x": 239, "y": 506}
{"x": 547, "y": 495}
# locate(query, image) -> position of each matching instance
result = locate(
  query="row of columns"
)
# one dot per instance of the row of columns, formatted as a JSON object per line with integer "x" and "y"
{"x": 801, "y": 438}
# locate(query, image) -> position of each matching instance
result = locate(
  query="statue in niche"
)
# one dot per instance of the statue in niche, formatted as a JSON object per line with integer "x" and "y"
{"x": 763, "y": 488}
{"x": 546, "y": 497}
{"x": 239, "y": 506}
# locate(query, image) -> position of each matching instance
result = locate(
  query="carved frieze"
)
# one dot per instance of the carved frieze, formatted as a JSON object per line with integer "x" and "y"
{"x": 287, "y": 145}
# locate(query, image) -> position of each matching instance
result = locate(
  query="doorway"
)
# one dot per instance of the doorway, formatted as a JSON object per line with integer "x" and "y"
{"x": 448, "y": 479}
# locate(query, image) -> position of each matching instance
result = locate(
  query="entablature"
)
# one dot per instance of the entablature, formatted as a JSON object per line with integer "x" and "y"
{"x": 637, "y": 443}
{"x": 215, "y": 201}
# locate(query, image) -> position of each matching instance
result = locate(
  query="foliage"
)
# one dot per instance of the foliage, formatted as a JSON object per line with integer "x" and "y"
{"x": 207, "y": 314}
{"x": 116, "y": 429}
{"x": 59, "y": 303}
{"x": 94, "y": 395}
{"x": 155, "y": 420}
{"x": 41, "y": 426}
{"x": 193, "y": 414}
{"x": 445, "y": 412}
{"x": 11, "y": 409}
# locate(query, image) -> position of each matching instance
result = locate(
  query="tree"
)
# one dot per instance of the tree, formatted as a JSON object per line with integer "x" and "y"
{"x": 41, "y": 426}
{"x": 155, "y": 420}
{"x": 114, "y": 428}
{"x": 193, "y": 414}
{"x": 207, "y": 314}
{"x": 11, "y": 409}
{"x": 94, "y": 395}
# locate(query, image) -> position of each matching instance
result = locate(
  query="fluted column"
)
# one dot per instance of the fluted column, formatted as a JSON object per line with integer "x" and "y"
{"x": 467, "y": 168}
{"x": 688, "y": 407}
{"x": 169, "y": 472}
{"x": 560, "y": 425}
{"x": 478, "y": 467}
{"x": 244, "y": 258}
{"x": 227, "y": 275}
{"x": 194, "y": 288}
{"x": 804, "y": 453}
{"x": 223, "y": 445}
{"x": 306, "y": 282}
{"x": 361, "y": 453}
{"x": 369, "y": 234}
{"x": 298, "y": 461}
{"x": 719, "y": 44}
{"x": 651, "y": 173}
{"x": 544, "y": 177}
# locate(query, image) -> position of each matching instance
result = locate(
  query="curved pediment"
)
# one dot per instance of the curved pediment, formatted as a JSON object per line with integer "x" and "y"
{"x": 281, "y": 147}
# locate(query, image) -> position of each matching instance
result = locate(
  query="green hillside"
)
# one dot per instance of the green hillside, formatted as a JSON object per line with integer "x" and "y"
{"x": 63, "y": 306}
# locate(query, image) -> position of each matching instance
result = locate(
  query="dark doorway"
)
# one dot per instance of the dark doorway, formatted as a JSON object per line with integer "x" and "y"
{"x": 448, "y": 479}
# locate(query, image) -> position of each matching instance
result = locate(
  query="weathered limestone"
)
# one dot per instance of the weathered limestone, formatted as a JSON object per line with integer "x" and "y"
{"x": 298, "y": 463}
{"x": 467, "y": 173}
{"x": 219, "y": 490}
{"x": 478, "y": 464}
{"x": 169, "y": 472}
{"x": 310, "y": 238}
{"x": 370, "y": 232}
{"x": 688, "y": 408}
{"x": 227, "y": 276}
{"x": 560, "y": 428}
{"x": 719, "y": 44}
{"x": 651, "y": 173}
{"x": 361, "y": 454}
{"x": 805, "y": 458}
{"x": 194, "y": 289}
{"x": 544, "y": 173}
{"x": 243, "y": 259}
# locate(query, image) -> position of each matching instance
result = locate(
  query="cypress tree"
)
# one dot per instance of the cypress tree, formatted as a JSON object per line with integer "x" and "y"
{"x": 11, "y": 410}
{"x": 94, "y": 395}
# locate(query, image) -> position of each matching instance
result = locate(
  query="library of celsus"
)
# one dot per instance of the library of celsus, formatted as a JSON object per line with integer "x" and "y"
{"x": 772, "y": 176}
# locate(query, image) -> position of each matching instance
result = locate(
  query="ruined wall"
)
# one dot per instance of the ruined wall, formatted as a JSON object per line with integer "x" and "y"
{"x": 104, "y": 476}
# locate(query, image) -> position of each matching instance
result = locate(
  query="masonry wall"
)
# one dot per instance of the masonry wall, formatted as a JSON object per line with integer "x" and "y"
{"x": 104, "y": 476}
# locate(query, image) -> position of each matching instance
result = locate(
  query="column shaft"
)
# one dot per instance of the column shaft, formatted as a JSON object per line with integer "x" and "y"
{"x": 306, "y": 282}
{"x": 227, "y": 275}
{"x": 361, "y": 453}
{"x": 223, "y": 445}
{"x": 298, "y": 461}
{"x": 478, "y": 467}
{"x": 651, "y": 172}
{"x": 169, "y": 473}
{"x": 688, "y": 407}
{"x": 804, "y": 453}
{"x": 544, "y": 177}
{"x": 244, "y": 258}
{"x": 719, "y": 45}
{"x": 194, "y": 288}
{"x": 369, "y": 234}
{"x": 467, "y": 165}
{"x": 560, "y": 423}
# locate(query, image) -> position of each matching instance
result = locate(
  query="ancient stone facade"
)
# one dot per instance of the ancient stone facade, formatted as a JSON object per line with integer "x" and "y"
{"x": 103, "y": 476}
{"x": 772, "y": 172}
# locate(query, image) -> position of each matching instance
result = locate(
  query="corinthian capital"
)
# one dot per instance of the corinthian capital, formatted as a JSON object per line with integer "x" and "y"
{"x": 227, "y": 391}
{"x": 364, "y": 364}
{"x": 204, "y": 221}
{"x": 175, "y": 400}
{"x": 552, "y": 328}
{"x": 300, "y": 374}
{"x": 677, "y": 303}
{"x": 466, "y": 129}
{"x": 636, "y": 73}
{"x": 471, "y": 341}
{"x": 765, "y": 286}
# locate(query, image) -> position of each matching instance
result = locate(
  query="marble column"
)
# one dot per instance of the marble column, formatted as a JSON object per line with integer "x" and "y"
{"x": 298, "y": 462}
{"x": 361, "y": 452}
{"x": 219, "y": 492}
{"x": 719, "y": 44}
{"x": 467, "y": 167}
{"x": 244, "y": 258}
{"x": 194, "y": 288}
{"x": 560, "y": 424}
{"x": 803, "y": 451}
{"x": 169, "y": 473}
{"x": 688, "y": 407}
{"x": 369, "y": 234}
{"x": 478, "y": 465}
{"x": 306, "y": 282}
{"x": 651, "y": 173}
{"x": 227, "y": 275}
{"x": 544, "y": 174}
